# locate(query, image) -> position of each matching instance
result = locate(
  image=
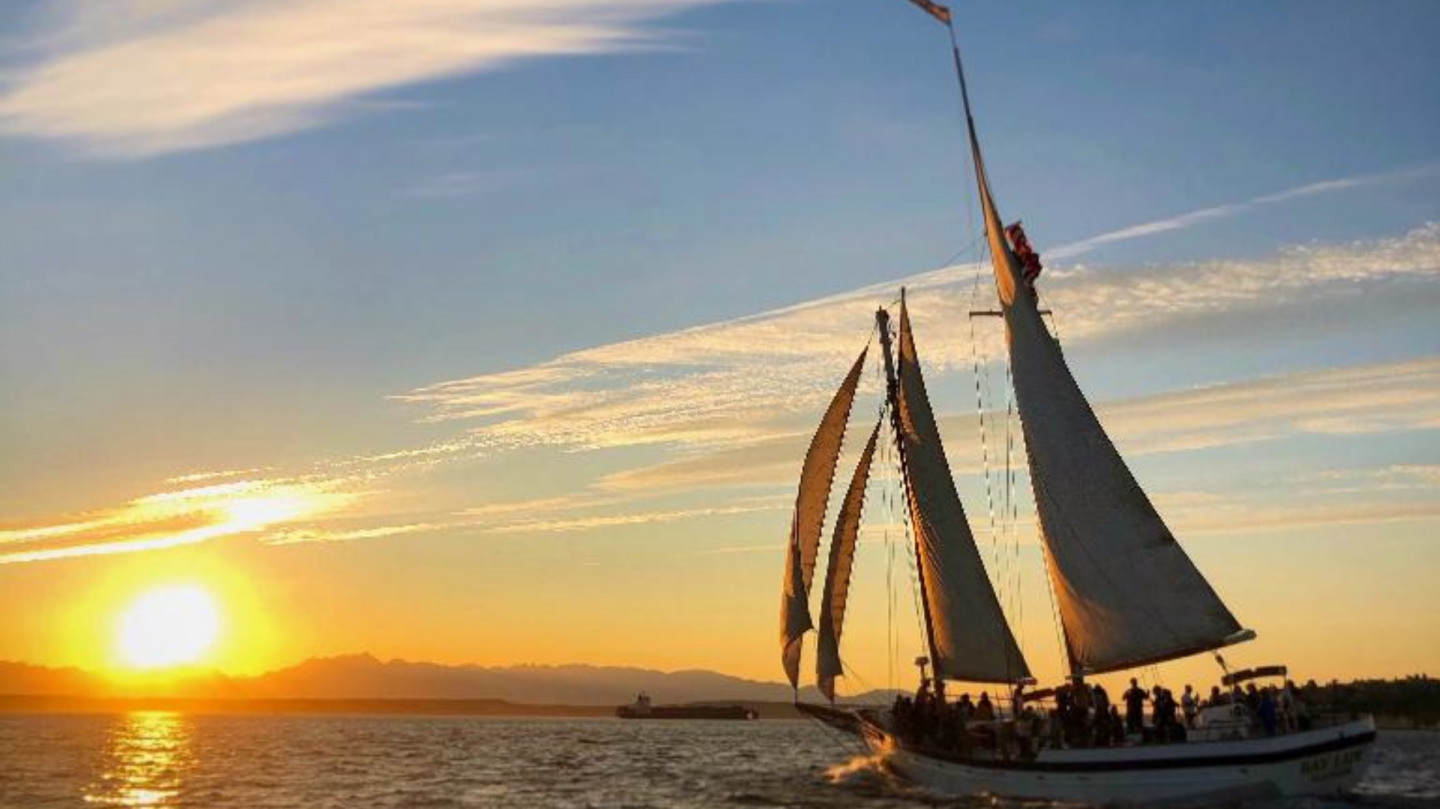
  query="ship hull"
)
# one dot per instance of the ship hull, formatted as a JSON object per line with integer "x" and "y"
{"x": 1327, "y": 761}
{"x": 712, "y": 712}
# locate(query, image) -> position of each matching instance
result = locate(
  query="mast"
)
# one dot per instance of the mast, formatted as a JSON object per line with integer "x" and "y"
{"x": 892, "y": 397}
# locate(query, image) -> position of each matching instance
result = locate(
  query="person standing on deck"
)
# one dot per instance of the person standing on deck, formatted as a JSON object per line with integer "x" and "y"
{"x": 1286, "y": 704}
{"x": 1100, "y": 698}
{"x": 1135, "y": 708}
{"x": 1162, "y": 713}
{"x": 1101, "y": 725}
{"x": 1115, "y": 727}
{"x": 1267, "y": 711}
{"x": 965, "y": 708}
{"x": 984, "y": 710}
{"x": 1190, "y": 706}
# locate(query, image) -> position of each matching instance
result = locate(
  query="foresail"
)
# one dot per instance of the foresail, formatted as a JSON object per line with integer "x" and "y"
{"x": 837, "y": 573}
{"x": 1128, "y": 593}
{"x": 808, "y": 520}
{"x": 969, "y": 636}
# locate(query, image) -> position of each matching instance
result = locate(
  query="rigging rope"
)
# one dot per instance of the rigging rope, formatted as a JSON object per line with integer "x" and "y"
{"x": 1010, "y": 574}
{"x": 998, "y": 569}
{"x": 1012, "y": 515}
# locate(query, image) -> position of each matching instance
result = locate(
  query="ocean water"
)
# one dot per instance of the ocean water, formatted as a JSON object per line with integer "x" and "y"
{"x": 265, "y": 762}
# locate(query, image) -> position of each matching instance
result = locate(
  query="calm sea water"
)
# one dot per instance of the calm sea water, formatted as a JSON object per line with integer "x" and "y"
{"x": 164, "y": 760}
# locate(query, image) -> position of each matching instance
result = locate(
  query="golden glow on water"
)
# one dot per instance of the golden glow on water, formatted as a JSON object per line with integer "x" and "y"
{"x": 168, "y": 626}
{"x": 147, "y": 758}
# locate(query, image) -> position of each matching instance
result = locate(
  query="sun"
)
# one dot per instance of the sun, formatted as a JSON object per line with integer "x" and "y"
{"x": 172, "y": 625}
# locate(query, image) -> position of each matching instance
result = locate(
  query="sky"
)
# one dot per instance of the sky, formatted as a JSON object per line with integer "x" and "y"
{"x": 493, "y": 331}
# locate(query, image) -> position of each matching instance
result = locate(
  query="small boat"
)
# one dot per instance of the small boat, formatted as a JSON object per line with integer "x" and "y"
{"x": 1127, "y": 595}
{"x": 642, "y": 708}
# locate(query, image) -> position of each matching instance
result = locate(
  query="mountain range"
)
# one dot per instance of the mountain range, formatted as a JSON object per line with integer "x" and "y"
{"x": 365, "y": 677}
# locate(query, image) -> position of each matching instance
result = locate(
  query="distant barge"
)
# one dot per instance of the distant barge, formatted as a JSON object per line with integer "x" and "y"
{"x": 643, "y": 709}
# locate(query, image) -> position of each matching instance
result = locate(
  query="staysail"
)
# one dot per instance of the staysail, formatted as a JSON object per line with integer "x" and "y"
{"x": 1128, "y": 593}
{"x": 837, "y": 573}
{"x": 968, "y": 635}
{"x": 809, "y": 519}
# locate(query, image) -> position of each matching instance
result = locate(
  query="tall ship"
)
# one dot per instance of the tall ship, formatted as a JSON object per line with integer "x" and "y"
{"x": 1126, "y": 593}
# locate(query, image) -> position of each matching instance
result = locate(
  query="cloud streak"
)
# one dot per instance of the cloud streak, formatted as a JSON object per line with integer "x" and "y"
{"x": 1217, "y": 212}
{"x": 710, "y": 422}
{"x": 174, "y": 518}
{"x": 133, "y": 83}
{"x": 752, "y": 382}
{"x": 1376, "y": 398}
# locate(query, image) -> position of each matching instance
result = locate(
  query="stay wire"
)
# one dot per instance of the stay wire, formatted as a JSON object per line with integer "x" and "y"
{"x": 981, "y": 393}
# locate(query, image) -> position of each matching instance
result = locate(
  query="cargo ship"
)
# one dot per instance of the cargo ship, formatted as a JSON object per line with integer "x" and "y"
{"x": 642, "y": 708}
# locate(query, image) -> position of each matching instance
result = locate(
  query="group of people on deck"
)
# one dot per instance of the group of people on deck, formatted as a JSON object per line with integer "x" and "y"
{"x": 1276, "y": 710}
{"x": 1084, "y": 716}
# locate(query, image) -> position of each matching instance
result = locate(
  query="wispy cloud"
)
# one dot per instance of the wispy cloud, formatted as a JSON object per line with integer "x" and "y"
{"x": 498, "y": 180}
{"x": 221, "y": 474}
{"x": 299, "y": 535}
{"x": 748, "y": 383}
{"x": 593, "y": 522}
{"x": 1382, "y": 397}
{"x": 1385, "y": 397}
{"x": 173, "y": 518}
{"x": 710, "y": 421}
{"x": 137, "y": 79}
{"x": 1223, "y": 515}
{"x": 1217, "y": 212}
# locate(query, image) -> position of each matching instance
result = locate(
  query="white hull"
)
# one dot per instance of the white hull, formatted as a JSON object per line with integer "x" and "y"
{"x": 1316, "y": 762}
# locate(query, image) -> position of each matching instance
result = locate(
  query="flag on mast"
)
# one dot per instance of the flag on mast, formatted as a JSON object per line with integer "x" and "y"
{"x": 935, "y": 10}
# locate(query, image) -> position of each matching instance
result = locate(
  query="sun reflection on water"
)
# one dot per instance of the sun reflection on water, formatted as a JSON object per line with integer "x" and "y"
{"x": 146, "y": 759}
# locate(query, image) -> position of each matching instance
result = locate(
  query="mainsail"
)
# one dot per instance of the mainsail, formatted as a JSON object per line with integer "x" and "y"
{"x": 837, "y": 573}
{"x": 1128, "y": 593}
{"x": 809, "y": 519}
{"x": 969, "y": 638}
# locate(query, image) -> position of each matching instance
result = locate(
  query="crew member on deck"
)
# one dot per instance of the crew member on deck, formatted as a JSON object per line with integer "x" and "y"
{"x": 1135, "y": 708}
{"x": 984, "y": 711}
{"x": 1190, "y": 706}
{"x": 965, "y": 707}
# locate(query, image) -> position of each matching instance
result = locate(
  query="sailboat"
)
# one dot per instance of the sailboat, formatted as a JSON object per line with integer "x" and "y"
{"x": 1128, "y": 595}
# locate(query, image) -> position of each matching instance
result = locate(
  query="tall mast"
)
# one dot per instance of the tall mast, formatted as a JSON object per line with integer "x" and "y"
{"x": 892, "y": 396}
{"x": 999, "y": 247}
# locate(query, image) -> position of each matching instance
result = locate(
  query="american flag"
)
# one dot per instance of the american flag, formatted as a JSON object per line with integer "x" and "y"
{"x": 935, "y": 10}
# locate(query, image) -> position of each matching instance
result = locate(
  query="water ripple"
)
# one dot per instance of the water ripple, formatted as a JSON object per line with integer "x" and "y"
{"x": 169, "y": 760}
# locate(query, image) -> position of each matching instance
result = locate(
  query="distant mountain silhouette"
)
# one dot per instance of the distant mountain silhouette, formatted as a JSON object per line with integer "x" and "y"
{"x": 365, "y": 677}
{"x": 23, "y": 678}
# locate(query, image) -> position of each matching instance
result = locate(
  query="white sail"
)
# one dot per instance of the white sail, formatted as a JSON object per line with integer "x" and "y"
{"x": 969, "y": 637}
{"x": 809, "y": 518}
{"x": 837, "y": 573}
{"x": 1128, "y": 593}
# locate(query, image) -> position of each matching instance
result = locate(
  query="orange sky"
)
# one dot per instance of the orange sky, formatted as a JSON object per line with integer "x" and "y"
{"x": 393, "y": 351}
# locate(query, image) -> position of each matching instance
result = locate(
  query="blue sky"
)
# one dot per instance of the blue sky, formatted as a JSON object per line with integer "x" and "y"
{"x": 251, "y": 240}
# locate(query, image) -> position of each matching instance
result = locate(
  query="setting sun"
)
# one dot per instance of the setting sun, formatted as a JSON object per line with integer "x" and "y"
{"x": 168, "y": 626}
